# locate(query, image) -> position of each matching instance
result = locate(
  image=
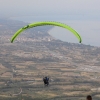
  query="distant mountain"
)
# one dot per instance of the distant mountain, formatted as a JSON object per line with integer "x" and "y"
{"x": 13, "y": 25}
{"x": 9, "y": 27}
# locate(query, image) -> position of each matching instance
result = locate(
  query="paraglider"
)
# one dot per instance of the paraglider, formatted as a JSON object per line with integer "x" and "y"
{"x": 46, "y": 23}
{"x": 46, "y": 81}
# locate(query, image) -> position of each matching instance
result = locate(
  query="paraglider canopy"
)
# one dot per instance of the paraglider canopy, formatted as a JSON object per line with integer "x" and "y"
{"x": 46, "y": 23}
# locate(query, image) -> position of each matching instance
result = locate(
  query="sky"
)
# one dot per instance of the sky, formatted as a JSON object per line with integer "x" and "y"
{"x": 82, "y": 15}
{"x": 48, "y": 7}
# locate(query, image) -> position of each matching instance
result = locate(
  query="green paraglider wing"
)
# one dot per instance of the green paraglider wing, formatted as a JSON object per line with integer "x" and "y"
{"x": 46, "y": 23}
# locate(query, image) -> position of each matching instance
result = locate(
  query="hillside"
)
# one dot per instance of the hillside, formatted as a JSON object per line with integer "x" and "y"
{"x": 73, "y": 68}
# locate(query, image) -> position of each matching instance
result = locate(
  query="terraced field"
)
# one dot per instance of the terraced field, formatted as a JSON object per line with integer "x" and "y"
{"x": 66, "y": 82}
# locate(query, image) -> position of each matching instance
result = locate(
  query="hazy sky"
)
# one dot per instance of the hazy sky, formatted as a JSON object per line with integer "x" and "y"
{"x": 82, "y": 15}
{"x": 51, "y": 7}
